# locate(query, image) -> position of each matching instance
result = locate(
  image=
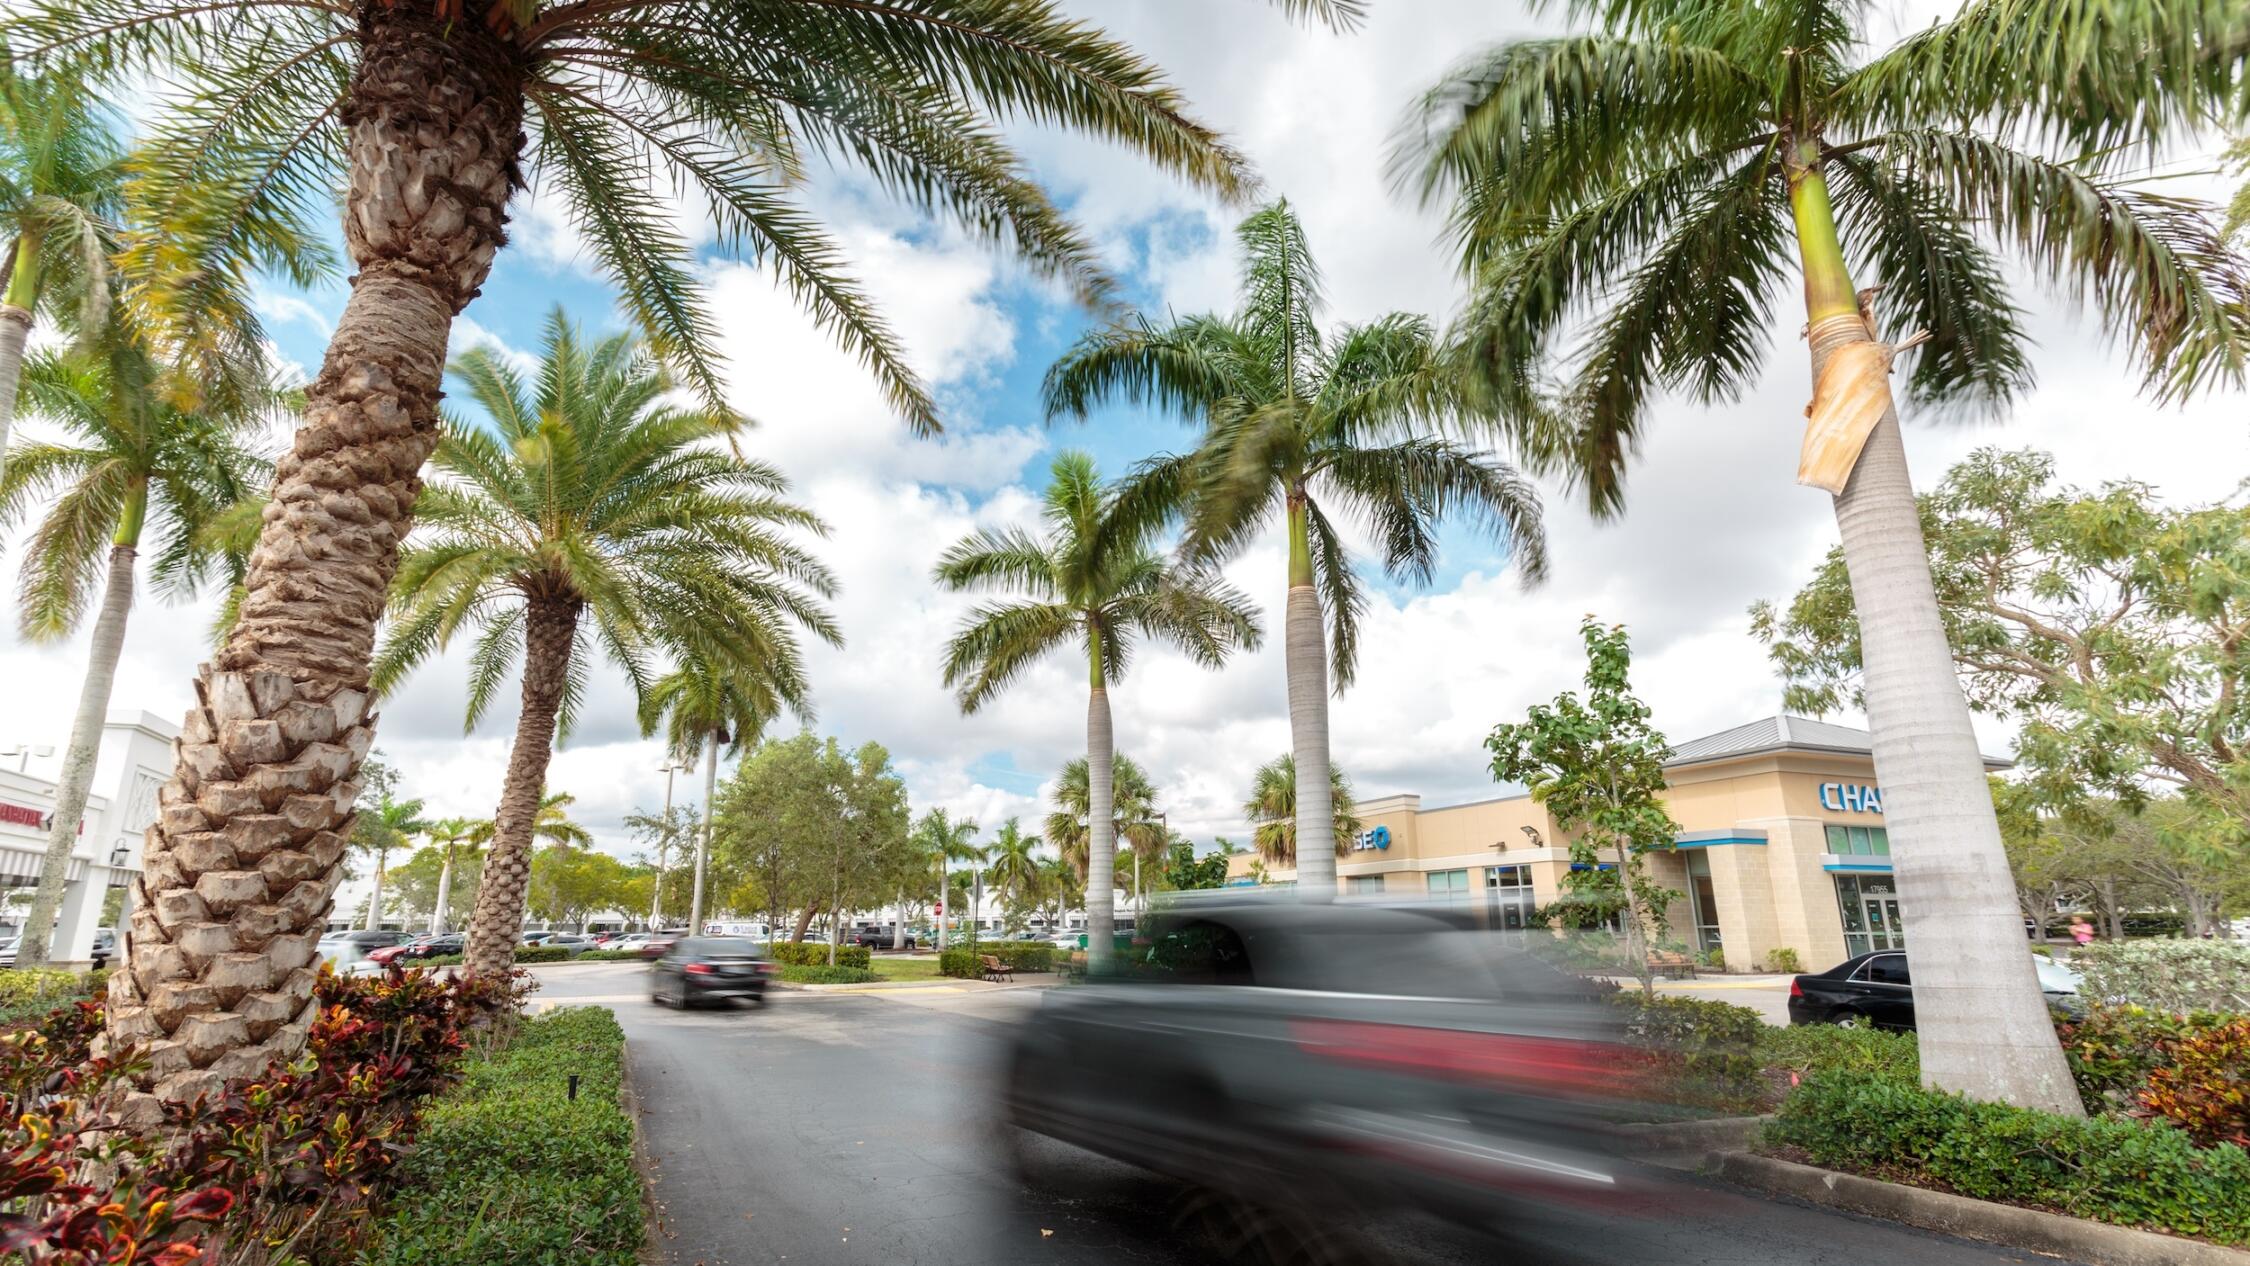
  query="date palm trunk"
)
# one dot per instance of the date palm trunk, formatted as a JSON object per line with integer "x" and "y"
{"x": 375, "y": 898}
{"x": 240, "y": 870}
{"x": 703, "y": 839}
{"x": 438, "y": 916}
{"x": 550, "y": 627}
{"x": 1306, "y": 650}
{"x": 1982, "y": 1022}
{"x": 77, "y": 779}
{"x": 1101, "y": 818}
{"x": 16, "y": 307}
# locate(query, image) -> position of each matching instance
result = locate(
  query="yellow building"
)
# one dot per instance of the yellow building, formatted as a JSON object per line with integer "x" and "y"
{"x": 1781, "y": 846}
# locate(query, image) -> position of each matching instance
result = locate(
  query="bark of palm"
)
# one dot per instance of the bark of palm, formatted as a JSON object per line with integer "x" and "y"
{"x": 703, "y": 838}
{"x": 1101, "y": 829}
{"x": 444, "y": 894}
{"x": 550, "y": 627}
{"x": 1981, "y": 1020}
{"x": 78, "y": 760}
{"x": 1307, "y": 653}
{"x": 15, "y": 331}
{"x": 240, "y": 870}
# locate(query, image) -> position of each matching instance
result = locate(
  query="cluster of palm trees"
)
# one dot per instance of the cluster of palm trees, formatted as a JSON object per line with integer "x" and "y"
{"x": 1623, "y": 202}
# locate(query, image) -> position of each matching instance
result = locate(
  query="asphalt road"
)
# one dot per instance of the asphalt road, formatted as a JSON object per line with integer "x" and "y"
{"x": 853, "y": 1128}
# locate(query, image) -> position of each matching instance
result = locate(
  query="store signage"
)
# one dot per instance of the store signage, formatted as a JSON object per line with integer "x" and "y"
{"x": 1378, "y": 838}
{"x": 23, "y": 815}
{"x": 1851, "y": 797}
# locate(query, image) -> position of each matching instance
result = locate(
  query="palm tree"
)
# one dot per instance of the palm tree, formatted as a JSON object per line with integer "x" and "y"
{"x": 387, "y": 825}
{"x": 706, "y": 704}
{"x": 591, "y": 502}
{"x": 450, "y": 835}
{"x": 423, "y": 113}
{"x": 1653, "y": 178}
{"x": 1012, "y": 862}
{"x": 1272, "y": 811}
{"x": 1133, "y": 813}
{"x": 1093, "y": 581}
{"x": 1300, "y": 428}
{"x": 1061, "y": 889}
{"x": 128, "y": 464}
{"x": 945, "y": 842}
{"x": 62, "y": 176}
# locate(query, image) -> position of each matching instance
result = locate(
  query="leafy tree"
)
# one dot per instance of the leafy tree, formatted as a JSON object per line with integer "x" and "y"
{"x": 1598, "y": 766}
{"x": 1628, "y": 199}
{"x": 2114, "y": 627}
{"x": 939, "y": 843}
{"x": 1094, "y": 584}
{"x": 381, "y": 826}
{"x": 568, "y": 884}
{"x": 1303, "y": 429}
{"x": 441, "y": 880}
{"x": 1134, "y": 818}
{"x": 671, "y": 888}
{"x": 1185, "y": 872}
{"x": 1272, "y": 810}
{"x": 128, "y": 464}
{"x": 428, "y": 118}
{"x": 813, "y": 826}
{"x": 592, "y": 502}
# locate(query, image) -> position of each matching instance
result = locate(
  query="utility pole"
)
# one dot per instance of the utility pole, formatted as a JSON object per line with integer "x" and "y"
{"x": 656, "y": 900}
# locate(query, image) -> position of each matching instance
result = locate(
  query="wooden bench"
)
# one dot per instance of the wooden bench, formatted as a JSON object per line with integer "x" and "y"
{"x": 1074, "y": 967}
{"x": 1671, "y": 966}
{"x": 995, "y": 970}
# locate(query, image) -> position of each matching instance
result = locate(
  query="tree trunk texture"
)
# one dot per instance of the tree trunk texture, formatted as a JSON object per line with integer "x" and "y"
{"x": 549, "y": 630}
{"x": 15, "y": 331}
{"x": 85, "y": 740}
{"x": 241, "y": 867}
{"x": 375, "y": 898}
{"x": 1307, "y": 652}
{"x": 898, "y": 929}
{"x": 1101, "y": 832}
{"x": 804, "y": 923}
{"x": 440, "y": 915}
{"x": 1636, "y": 943}
{"x": 703, "y": 839}
{"x": 1982, "y": 1021}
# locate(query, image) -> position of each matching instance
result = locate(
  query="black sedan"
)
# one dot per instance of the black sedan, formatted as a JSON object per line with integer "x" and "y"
{"x": 696, "y": 969}
{"x": 1878, "y": 990}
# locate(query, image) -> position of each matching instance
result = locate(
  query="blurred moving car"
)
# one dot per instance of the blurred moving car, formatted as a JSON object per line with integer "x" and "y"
{"x": 1877, "y": 990}
{"x": 698, "y": 969}
{"x": 344, "y": 949}
{"x": 657, "y": 943}
{"x": 439, "y": 945}
{"x": 1344, "y": 1060}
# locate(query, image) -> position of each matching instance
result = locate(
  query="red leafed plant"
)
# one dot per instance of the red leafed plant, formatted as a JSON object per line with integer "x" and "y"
{"x": 2204, "y": 1085}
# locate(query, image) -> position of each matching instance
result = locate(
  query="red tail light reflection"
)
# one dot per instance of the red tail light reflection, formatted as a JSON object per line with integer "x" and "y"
{"x": 1544, "y": 1063}
{"x": 698, "y": 969}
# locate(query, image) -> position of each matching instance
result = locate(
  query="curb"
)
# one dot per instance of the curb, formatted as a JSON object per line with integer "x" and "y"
{"x": 629, "y": 1099}
{"x": 1694, "y": 1140}
{"x": 2095, "y": 1243}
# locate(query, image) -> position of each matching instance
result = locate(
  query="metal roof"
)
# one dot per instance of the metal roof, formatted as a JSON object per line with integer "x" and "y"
{"x": 1782, "y": 733}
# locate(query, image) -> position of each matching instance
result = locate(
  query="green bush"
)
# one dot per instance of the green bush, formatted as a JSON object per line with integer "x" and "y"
{"x": 2179, "y": 976}
{"x": 510, "y": 1171}
{"x": 2125, "y": 1172}
{"x": 542, "y": 954}
{"x": 2113, "y": 1050}
{"x": 1784, "y": 961}
{"x": 1805, "y": 1049}
{"x": 608, "y": 956}
{"x": 966, "y": 962}
{"x": 30, "y": 994}
{"x": 1707, "y": 1050}
{"x": 823, "y": 974}
{"x": 803, "y": 955}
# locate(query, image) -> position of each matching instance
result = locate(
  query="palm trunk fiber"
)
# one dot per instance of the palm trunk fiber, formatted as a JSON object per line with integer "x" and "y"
{"x": 549, "y": 630}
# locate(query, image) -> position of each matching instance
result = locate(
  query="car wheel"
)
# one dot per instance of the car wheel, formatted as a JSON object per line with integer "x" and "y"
{"x": 1849, "y": 1020}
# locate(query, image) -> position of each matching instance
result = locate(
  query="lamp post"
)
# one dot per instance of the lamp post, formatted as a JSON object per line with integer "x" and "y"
{"x": 663, "y": 838}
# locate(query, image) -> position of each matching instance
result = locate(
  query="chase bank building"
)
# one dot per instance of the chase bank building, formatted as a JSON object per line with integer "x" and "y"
{"x": 1782, "y": 846}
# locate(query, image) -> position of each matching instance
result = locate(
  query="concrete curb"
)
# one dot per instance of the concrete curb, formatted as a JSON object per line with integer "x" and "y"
{"x": 629, "y": 1099}
{"x": 1696, "y": 1139}
{"x": 2095, "y": 1243}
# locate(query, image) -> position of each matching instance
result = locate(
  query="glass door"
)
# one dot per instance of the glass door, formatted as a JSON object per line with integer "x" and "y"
{"x": 1884, "y": 929}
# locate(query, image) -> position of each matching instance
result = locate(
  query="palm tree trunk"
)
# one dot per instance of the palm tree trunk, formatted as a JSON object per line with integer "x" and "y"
{"x": 703, "y": 840}
{"x": 1101, "y": 821}
{"x": 15, "y": 331}
{"x": 549, "y": 629}
{"x": 240, "y": 870}
{"x": 1983, "y": 1027}
{"x": 898, "y": 929}
{"x": 375, "y": 898}
{"x": 1306, "y": 651}
{"x": 439, "y": 915}
{"x": 78, "y": 759}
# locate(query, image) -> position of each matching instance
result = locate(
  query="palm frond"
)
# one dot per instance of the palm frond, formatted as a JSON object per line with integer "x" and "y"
{"x": 1343, "y": 599}
{"x": 999, "y": 643}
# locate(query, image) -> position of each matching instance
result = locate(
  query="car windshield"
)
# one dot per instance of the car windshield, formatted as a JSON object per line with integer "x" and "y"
{"x": 2055, "y": 977}
{"x": 716, "y": 947}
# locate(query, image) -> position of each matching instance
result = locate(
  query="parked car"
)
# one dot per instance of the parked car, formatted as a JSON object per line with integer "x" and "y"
{"x": 569, "y": 942}
{"x": 629, "y": 941}
{"x": 1877, "y": 990}
{"x": 441, "y": 945}
{"x": 876, "y": 937}
{"x": 532, "y": 938}
{"x": 698, "y": 969}
{"x": 343, "y": 949}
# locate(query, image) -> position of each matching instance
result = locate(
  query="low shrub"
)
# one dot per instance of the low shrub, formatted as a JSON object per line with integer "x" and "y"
{"x": 823, "y": 974}
{"x": 32, "y": 994}
{"x": 542, "y": 954}
{"x": 511, "y": 1171}
{"x": 2176, "y": 976}
{"x": 1806, "y": 1049}
{"x": 2113, "y": 1050}
{"x": 1706, "y": 1052}
{"x": 799, "y": 954}
{"x": 1713, "y": 958}
{"x": 967, "y": 962}
{"x": 1784, "y": 961}
{"x": 608, "y": 956}
{"x": 2127, "y": 1172}
{"x": 2204, "y": 1084}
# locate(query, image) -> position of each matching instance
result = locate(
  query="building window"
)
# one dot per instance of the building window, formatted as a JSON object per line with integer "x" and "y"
{"x": 1859, "y": 841}
{"x": 1449, "y": 885}
{"x": 1703, "y": 900}
{"x": 1507, "y": 891}
{"x": 1363, "y": 885}
{"x": 1869, "y": 905}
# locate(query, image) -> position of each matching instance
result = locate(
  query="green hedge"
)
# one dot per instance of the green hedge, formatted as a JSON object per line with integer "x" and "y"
{"x": 1708, "y": 1050}
{"x": 965, "y": 961}
{"x": 803, "y": 955}
{"x": 609, "y": 956}
{"x": 2179, "y": 976}
{"x": 1806, "y": 1049}
{"x": 2126, "y": 1172}
{"x": 823, "y": 974}
{"x": 30, "y": 994}
{"x": 509, "y": 1171}
{"x": 524, "y": 954}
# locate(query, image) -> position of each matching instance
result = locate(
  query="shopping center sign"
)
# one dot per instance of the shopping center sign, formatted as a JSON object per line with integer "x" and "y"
{"x": 1851, "y": 797}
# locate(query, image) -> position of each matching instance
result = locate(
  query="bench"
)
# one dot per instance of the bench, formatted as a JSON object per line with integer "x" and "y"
{"x": 1074, "y": 967}
{"x": 1671, "y": 966}
{"x": 995, "y": 970}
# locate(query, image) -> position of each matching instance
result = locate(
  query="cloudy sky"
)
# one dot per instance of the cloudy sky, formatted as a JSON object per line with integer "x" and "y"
{"x": 1715, "y": 520}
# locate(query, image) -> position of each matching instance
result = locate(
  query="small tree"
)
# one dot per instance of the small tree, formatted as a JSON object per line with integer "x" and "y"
{"x": 1598, "y": 767}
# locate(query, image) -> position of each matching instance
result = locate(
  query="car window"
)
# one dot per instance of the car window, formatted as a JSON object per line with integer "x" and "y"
{"x": 2054, "y": 977}
{"x": 1888, "y": 969}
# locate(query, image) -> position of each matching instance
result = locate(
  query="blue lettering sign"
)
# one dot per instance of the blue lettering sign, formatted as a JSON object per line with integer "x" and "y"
{"x": 1378, "y": 838}
{"x": 1851, "y": 797}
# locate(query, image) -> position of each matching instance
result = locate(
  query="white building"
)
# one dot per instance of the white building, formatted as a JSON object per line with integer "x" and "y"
{"x": 135, "y": 758}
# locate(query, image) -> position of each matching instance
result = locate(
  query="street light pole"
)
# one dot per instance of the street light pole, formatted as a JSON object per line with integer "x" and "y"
{"x": 663, "y": 838}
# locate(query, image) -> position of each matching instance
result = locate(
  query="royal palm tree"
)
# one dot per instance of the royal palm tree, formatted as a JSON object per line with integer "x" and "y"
{"x": 1133, "y": 813}
{"x": 1061, "y": 889}
{"x": 386, "y": 825}
{"x": 1302, "y": 429}
{"x": 1092, "y": 581}
{"x": 1272, "y": 811}
{"x": 428, "y": 116}
{"x": 125, "y": 464}
{"x": 1665, "y": 178}
{"x": 452, "y": 836}
{"x": 712, "y": 701}
{"x": 1012, "y": 861}
{"x": 590, "y": 502}
{"x": 943, "y": 841}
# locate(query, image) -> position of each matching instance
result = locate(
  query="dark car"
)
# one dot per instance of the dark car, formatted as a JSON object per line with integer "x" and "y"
{"x": 659, "y": 944}
{"x": 1343, "y": 1060}
{"x": 1877, "y": 990}
{"x": 876, "y": 937}
{"x": 697, "y": 969}
{"x": 570, "y": 943}
{"x": 345, "y": 948}
{"x": 439, "y": 946}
